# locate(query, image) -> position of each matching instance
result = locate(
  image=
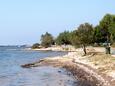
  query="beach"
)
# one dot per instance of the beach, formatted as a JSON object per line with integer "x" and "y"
{"x": 86, "y": 69}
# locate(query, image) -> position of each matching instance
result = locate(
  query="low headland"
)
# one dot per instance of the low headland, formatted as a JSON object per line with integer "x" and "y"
{"x": 94, "y": 69}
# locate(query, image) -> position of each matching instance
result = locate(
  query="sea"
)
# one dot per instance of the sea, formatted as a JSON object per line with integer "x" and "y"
{"x": 12, "y": 74}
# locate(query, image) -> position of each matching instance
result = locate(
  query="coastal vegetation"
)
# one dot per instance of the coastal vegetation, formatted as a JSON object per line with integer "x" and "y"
{"x": 64, "y": 38}
{"x": 47, "y": 40}
{"x": 36, "y": 45}
{"x": 84, "y": 35}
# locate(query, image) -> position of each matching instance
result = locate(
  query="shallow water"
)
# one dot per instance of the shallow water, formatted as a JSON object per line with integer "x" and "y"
{"x": 11, "y": 74}
{"x": 40, "y": 76}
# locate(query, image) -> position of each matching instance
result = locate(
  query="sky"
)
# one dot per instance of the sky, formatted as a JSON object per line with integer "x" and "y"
{"x": 23, "y": 21}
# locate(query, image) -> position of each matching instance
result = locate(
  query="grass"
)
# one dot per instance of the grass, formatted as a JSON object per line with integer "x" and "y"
{"x": 104, "y": 62}
{"x": 113, "y": 45}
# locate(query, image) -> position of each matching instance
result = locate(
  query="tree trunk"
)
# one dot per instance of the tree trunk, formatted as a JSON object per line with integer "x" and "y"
{"x": 84, "y": 49}
{"x": 108, "y": 49}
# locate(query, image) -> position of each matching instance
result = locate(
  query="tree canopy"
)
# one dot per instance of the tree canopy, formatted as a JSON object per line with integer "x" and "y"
{"x": 104, "y": 32}
{"x": 85, "y": 34}
{"x": 63, "y": 38}
{"x": 47, "y": 40}
{"x": 36, "y": 45}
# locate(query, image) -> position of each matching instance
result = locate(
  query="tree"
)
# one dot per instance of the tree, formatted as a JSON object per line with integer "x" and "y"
{"x": 112, "y": 32}
{"x": 107, "y": 26}
{"x": 63, "y": 38}
{"x": 47, "y": 40}
{"x": 104, "y": 26}
{"x": 74, "y": 39}
{"x": 85, "y": 35}
{"x": 36, "y": 45}
{"x": 99, "y": 35}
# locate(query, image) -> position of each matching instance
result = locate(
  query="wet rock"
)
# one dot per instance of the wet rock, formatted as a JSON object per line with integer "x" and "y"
{"x": 59, "y": 71}
{"x": 27, "y": 65}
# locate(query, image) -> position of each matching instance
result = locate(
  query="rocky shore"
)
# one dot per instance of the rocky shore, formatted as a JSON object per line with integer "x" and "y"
{"x": 85, "y": 72}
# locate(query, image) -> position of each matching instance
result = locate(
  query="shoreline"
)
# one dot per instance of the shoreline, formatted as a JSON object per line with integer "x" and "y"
{"x": 74, "y": 62}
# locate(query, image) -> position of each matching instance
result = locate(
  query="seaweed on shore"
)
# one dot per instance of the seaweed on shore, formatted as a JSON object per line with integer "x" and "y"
{"x": 82, "y": 77}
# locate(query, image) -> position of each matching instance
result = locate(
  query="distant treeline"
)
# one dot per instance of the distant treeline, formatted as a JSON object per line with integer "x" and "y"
{"x": 85, "y": 34}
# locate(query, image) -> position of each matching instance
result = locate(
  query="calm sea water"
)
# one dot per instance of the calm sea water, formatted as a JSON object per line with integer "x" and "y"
{"x": 11, "y": 74}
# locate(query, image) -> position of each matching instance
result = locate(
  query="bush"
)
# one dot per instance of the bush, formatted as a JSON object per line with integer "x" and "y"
{"x": 47, "y": 40}
{"x": 36, "y": 45}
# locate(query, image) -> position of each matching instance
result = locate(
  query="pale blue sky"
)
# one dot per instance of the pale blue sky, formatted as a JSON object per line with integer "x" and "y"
{"x": 23, "y": 21}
